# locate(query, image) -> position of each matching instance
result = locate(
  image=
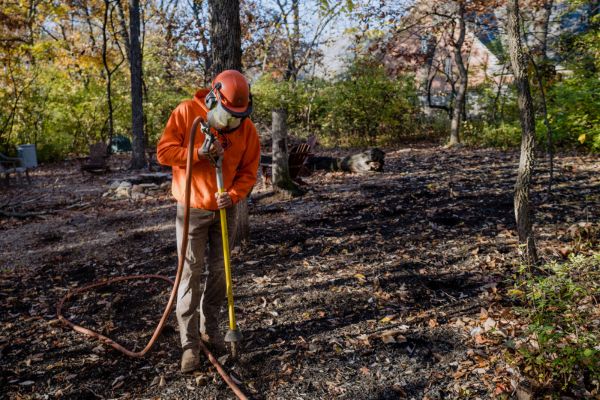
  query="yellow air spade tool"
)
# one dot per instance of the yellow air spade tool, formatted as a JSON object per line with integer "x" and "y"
{"x": 233, "y": 336}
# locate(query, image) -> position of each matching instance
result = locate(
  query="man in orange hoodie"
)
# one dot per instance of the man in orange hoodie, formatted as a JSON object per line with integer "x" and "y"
{"x": 226, "y": 107}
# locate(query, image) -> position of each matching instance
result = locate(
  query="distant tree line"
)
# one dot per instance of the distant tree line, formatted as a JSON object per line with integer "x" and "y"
{"x": 68, "y": 78}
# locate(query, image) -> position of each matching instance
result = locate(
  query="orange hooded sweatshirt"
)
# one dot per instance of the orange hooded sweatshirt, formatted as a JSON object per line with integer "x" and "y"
{"x": 240, "y": 161}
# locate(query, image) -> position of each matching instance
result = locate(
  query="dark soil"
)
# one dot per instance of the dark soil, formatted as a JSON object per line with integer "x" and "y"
{"x": 367, "y": 287}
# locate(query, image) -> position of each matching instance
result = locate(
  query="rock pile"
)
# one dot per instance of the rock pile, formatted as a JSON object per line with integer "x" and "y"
{"x": 139, "y": 187}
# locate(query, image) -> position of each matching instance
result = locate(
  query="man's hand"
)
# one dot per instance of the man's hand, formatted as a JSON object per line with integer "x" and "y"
{"x": 223, "y": 200}
{"x": 216, "y": 151}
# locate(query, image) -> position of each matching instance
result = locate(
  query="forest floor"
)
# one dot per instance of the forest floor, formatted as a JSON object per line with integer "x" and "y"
{"x": 381, "y": 286}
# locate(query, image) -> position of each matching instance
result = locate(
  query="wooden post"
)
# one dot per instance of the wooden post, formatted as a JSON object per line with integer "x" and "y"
{"x": 281, "y": 172}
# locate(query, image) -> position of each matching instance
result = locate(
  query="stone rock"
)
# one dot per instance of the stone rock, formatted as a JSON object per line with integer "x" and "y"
{"x": 524, "y": 393}
{"x": 137, "y": 189}
{"x": 123, "y": 191}
{"x": 114, "y": 185}
{"x": 137, "y": 196}
{"x": 147, "y": 186}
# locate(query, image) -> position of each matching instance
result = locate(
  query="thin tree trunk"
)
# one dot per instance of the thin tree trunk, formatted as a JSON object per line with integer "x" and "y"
{"x": 497, "y": 97}
{"x": 296, "y": 11}
{"x": 541, "y": 24}
{"x": 281, "y": 172}
{"x": 137, "y": 112}
{"x": 523, "y": 214}
{"x": 124, "y": 32}
{"x": 108, "y": 75}
{"x": 459, "y": 101}
{"x": 549, "y": 137}
{"x": 541, "y": 75}
{"x": 205, "y": 60}
{"x": 225, "y": 35}
{"x": 430, "y": 103}
{"x": 293, "y": 43}
{"x": 89, "y": 25}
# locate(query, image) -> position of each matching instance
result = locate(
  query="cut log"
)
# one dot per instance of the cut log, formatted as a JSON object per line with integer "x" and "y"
{"x": 371, "y": 160}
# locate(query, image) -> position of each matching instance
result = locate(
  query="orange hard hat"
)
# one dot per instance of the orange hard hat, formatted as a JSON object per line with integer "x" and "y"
{"x": 233, "y": 92}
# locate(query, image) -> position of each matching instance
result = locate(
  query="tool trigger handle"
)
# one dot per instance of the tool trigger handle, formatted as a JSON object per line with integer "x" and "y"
{"x": 209, "y": 139}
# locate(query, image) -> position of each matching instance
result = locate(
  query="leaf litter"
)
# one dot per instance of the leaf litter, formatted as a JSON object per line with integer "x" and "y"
{"x": 369, "y": 286}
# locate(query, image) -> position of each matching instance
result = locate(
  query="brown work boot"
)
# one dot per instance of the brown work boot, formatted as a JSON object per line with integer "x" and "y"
{"x": 215, "y": 344}
{"x": 190, "y": 360}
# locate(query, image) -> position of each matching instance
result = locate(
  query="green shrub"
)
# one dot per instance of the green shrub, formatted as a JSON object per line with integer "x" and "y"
{"x": 365, "y": 106}
{"x": 270, "y": 93}
{"x": 362, "y": 106}
{"x": 503, "y": 135}
{"x": 575, "y": 112}
{"x": 559, "y": 346}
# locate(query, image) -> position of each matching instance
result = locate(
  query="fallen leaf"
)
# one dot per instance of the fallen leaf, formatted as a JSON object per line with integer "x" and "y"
{"x": 489, "y": 324}
{"x": 387, "y": 339}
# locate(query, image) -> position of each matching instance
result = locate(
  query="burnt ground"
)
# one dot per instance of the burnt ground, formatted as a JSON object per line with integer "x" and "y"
{"x": 375, "y": 286}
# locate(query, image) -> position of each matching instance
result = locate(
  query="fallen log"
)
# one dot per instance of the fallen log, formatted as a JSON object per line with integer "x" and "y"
{"x": 371, "y": 160}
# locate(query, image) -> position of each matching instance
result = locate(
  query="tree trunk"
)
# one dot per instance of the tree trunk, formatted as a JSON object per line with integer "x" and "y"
{"x": 137, "y": 112}
{"x": 123, "y": 23}
{"x": 543, "y": 71}
{"x": 541, "y": 30}
{"x": 497, "y": 97}
{"x": 281, "y": 173}
{"x": 549, "y": 138}
{"x": 225, "y": 35}
{"x": 291, "y": 72}
{"x": 108, "y": 75}
{"x": 226, "y": 52}
{"x": 461, "y": 90}
{"x": 523, "y": 214}
{"x": 205, "y": 60}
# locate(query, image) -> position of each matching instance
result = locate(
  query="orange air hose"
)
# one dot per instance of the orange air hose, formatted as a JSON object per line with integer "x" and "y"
{"x": 186, "y": 225}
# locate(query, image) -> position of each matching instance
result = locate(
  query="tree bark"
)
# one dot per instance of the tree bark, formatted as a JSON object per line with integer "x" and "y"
{"x": 543, "y": 70}
{"x": 135, "y": 65}
{"x": 542, "y": 31}
{"x": 495, "y": 118}
{"x": 109, "y": 73}
{"x": 281, "y": 173}
{"x": 549, "y": 137}
{"x": 226, "y": 53}
{"x": 205, "y": 60}
{"x": 523, "y": 214}
{"x": 225, "y": 35}
{"x": 461, "y": 90}
{"x": 291, "y": 72}
{"x": 124, "y": 32}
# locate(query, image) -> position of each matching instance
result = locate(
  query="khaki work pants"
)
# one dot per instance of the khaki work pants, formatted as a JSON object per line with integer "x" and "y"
{"x": 202, "y": 289}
